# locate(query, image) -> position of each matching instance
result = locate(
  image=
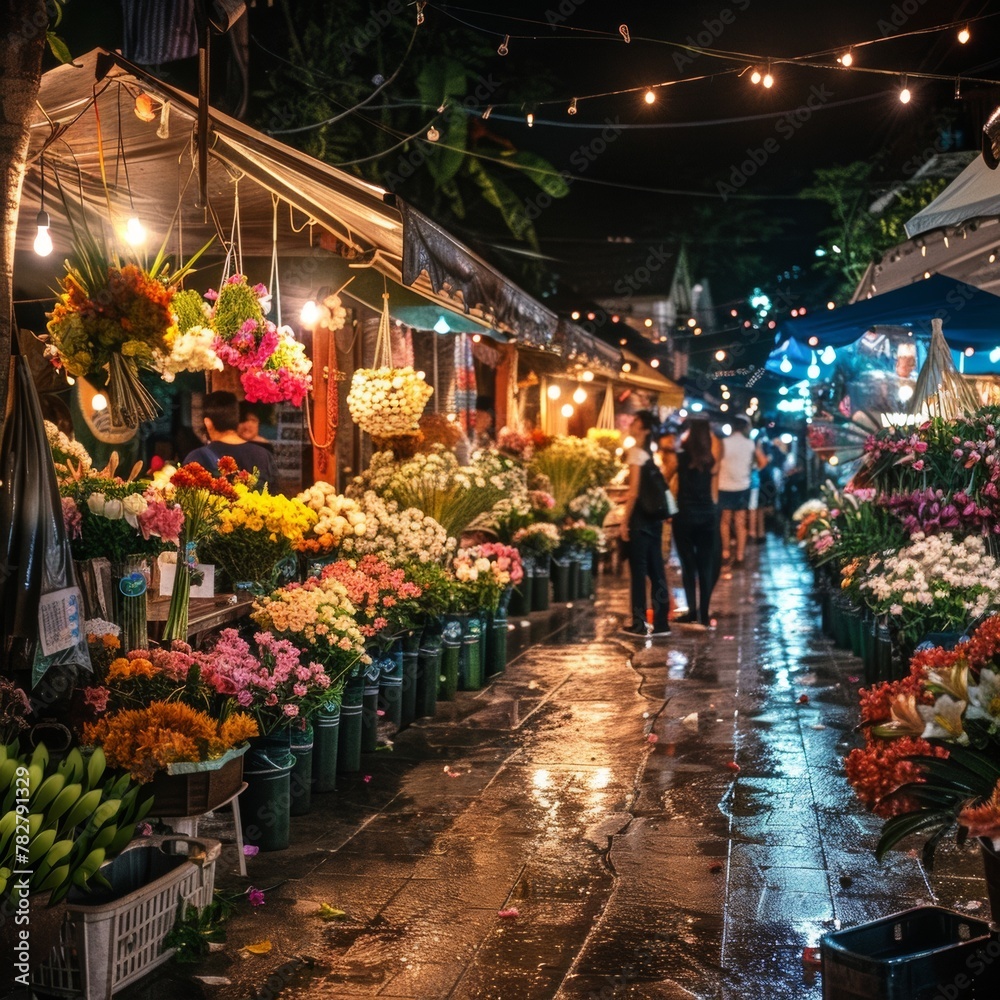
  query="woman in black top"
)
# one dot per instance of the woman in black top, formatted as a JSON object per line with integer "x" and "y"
{"x": 696, "y": 523}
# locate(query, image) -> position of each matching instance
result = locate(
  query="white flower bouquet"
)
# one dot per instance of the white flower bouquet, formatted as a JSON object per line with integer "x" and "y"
{"x": 399, "y": 536}
{"x": 338, "y": 518}
{"x": 388, "y": 402}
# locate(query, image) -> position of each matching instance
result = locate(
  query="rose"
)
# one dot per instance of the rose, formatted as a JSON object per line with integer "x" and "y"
{"x": 134, "y": 505}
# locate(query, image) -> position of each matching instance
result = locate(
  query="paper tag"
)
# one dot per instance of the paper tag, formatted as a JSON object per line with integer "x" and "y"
{"x": 60, "y": 620}
{"x": 205, "y": 589}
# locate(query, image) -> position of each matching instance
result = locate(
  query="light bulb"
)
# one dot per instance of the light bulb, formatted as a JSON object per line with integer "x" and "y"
{"x": 834, "y": 460}
{"x": 433, "y": 134}
{"x": 755, "y": 76}
{"x": 567, "y": 410}
{"x": 969, "y": 351}
{"x": 786, "y": 365}
{"x": 441, "y": 326}
{"x": 727, "y": 429}
{"x": 575, "y": 314}
{"x": 571, "y": 110}
{"x": 43, "y": 242}
{"x": 580, "y": 396}
{"x": 995, "y": 355}
{"x": 846, "y": 59}
{"x": 831, "y": 305}
{"x": 647, "y": 323}
{"x": 726, "y": 395}
{"x": 905, "y": 393}
{"x": 783, "y": 390}
{"x": 692, "y": 322}
{"x": 993, "y": 257}
{"x": 904, "y": 95}
{"x": 99, "y": 403}
{"x": 828, "y": 356}
{"x": 531, "y": 120}
{"x": 587, "y": 376}
{"x": 654, "y": 363}
{"x": 697, "y": 407}
{"x": 309, "y": 316}
{"x": 720, "y": 355}
{"x": 768, "y": 81}
{"x": 813, "y": 371}
{"x": 476, "y": 338}
{"x": 135, "y": 231}
{"x": 814, "y": 341}
{"x": 964, "y": 35}
{"x": 724, "y": 407}
{"x": 553, "y": 391}
{"x": 626, "y": 367}
{"x": 649, "y": 97}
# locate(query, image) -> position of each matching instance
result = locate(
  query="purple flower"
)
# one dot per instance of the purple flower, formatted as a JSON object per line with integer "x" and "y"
{"x": 256, "y": 896}
{"x": 250, "y": 851}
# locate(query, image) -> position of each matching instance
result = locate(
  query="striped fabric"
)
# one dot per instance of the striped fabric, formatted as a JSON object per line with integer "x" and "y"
{"x": 158, "y": 31}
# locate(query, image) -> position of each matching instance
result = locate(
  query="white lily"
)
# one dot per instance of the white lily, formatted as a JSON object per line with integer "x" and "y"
{"x": 943, "y": 720}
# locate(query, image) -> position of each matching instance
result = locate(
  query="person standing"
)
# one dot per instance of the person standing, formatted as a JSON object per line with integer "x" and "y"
{"x": 221, "y": 413}
{"x": 644, "y": 537}
{"x": 738, "y": 457}
{"x": 696, "y": 523}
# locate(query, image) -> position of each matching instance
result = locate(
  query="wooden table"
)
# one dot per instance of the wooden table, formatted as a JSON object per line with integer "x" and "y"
{"x": 205, "y": 614}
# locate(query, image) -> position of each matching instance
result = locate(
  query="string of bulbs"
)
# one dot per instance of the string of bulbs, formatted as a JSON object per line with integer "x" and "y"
{"x": 760, "y": 67}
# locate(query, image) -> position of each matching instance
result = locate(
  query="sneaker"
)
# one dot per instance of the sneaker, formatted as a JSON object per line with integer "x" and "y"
{"x": 659, "y": 631}
{"x": 685, "y": 619}
{"x": 638, "y": 632}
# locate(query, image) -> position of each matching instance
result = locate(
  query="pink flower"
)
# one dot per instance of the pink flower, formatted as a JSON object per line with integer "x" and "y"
{"x": 291, "y": 711}
{"x": 250, "y": 851}
{"x": 96, "y": 698}
{"x": 256, "y": 896}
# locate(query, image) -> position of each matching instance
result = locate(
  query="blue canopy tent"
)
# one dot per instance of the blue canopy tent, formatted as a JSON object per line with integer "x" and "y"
{"x": 791, "y": 360}
{"x": 970, "y": 318}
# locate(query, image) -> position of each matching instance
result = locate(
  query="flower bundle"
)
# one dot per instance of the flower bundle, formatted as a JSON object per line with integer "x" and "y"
{"x": 934, "y": 584}
{"x": 516, "y": 444}
{"x": 932, "y": 751}
{"x": 191, "y": 344}
{"x": 489, "y": 569}
{"x": 537, "y": 540}
{"x": 387, "y": 402}
{"x": 931, "y": 511}
{"x": 399, "y": 536}
{"x": 69, "y": 457}
{"x": 115, "y": 518}
{"x": 592, "y": 506}
{"x": 146, "y": 740}
{"x": 284, "y": 377}
{"x": 255, "y": 532}
{"x": 572, "y": 465}
{"x": 579, "y": 534}
{"x": 385, "y": 601}
{"x": 319, "y": 618}
{"x": 509, "y": 515}
{"x": 336, "y": 517}
{"x": 270, "y": 680}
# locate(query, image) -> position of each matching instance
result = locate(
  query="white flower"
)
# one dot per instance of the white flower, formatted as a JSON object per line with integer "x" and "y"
{"x": 134, "y": 504}
{"x": 96, "y": 502}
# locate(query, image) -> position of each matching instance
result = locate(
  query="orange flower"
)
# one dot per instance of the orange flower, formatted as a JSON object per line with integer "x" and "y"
{"x": 983, "y": 820}
{"x": 238, "y": 728}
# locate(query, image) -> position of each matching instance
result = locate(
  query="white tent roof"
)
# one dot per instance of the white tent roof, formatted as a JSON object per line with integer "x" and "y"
{"x": 974, "y": 194}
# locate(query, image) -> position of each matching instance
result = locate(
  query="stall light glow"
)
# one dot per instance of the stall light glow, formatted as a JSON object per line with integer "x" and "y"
{"x": 629, "y": 442}
{"x": 626, "y": 367}
{"x": 814, "y": 341}
{"x": 553, "y": 391}
{"x": 755, "y": 76}
{"x": 697, "y": 331}
{"x": 768, "y": 81}
{"x": 135, "y": 231}
{"x": 623, "y": 342}
{"x": 309, "y": 316}
{"x": 433, "y": 134}
{"x": 697, "y": 407}
{"x": 575, "y": 314}
{"x": 649, "y": 97}
{"x": 567, "y": 410}
{"x": 647, "y": 323}
{"x": 70, "y": 380}
{"x": 813, "y": 371}
{"x": 724, "y": 407}
{"x": 834, "y": 460}
{"x": 725, "y": 395}
{"x": 905, "y": 393}
{"x": 836, "y": 249}
{"x": 831, "y": 305}
{"x": 720, "y": 355}
{"x": 771, "y": 324}
{"x": 727, "y": 429}
{"x": 441, "y": 326}
{"x": 829, "y": 355}
{"x": 615, "y": 318}
{"x": 591, "y": 315}
{"x": 904, "y": 95}
{"x": 995, "y": 355}
{"x": 579, "y": 396}
{"x": 783, "y": 390}
{"x": 969, "y": 351}
{"x": 587, "y": 376}
{"x": 682, "y": 413}
{"x": 846, "y": 59}
{"x": 43, "y": 242}
{"x": 786, "y": 439}
{"x": 655, "y": 363}
{"x": 786, "y": 365}
{"x": 99, "y": 403}
{"x": 692, "y": 322}
{"x": 964, "y": 35}
{"x": 795, "y": 313}
{"x": 724, "y": 388}
{"x": 754, "y": 401}
{"x": 476, "y": 338}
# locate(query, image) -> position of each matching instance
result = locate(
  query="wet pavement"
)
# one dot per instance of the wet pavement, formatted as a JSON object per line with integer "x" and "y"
{"x": 668, "y": 819}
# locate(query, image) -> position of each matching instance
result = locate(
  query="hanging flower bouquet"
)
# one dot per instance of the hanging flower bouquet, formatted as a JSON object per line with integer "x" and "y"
{"x": 336, "y": 518}
{"x": 388, "y": 402}
{"x": 256, "y": 533}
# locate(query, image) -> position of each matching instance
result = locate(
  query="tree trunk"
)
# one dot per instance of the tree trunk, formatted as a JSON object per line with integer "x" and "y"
{"x": 22, "y": 43}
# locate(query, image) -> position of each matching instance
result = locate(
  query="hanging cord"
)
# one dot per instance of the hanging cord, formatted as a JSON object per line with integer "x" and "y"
{"x": 234, "y": 251}
{"x": 606, "y": 418}
{"x": 383, "y": 342}
{"x": 274, "y": 282}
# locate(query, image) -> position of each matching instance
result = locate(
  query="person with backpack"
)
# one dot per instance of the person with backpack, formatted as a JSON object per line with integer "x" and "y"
{"x": 642, "y": 533}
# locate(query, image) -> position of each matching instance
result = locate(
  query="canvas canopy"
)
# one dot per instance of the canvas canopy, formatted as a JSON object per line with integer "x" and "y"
{"x": 974, "y": 194}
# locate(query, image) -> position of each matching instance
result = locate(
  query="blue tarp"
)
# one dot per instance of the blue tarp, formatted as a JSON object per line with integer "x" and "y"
{"x": 970, "y": 317}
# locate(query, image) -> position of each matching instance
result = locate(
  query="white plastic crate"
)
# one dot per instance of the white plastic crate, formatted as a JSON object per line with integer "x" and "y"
{"x": 112, "y": 941}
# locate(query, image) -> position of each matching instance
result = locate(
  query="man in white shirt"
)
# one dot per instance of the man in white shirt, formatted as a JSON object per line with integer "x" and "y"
{"x": 738, "y": 457}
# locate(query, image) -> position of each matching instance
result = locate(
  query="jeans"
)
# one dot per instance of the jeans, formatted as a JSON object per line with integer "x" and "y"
{"x": 645, "y": 560}
{"x": 696, "y": 535}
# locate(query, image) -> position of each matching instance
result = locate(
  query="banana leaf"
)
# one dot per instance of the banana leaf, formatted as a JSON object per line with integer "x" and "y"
{"x": 33, "y": 545}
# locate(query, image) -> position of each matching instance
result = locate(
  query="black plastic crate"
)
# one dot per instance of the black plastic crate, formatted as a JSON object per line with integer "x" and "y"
{"x": 927, "y": 953}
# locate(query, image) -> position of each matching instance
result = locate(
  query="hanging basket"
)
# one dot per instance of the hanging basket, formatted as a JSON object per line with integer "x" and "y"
{"x": 386, "y": 401}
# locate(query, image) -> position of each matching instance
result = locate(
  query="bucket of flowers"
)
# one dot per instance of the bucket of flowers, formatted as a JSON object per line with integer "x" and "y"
{"x": 337, "y": 517}
{"x": 536, "y": 543}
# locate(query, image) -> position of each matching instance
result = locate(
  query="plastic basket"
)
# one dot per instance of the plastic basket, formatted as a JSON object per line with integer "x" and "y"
{"x": 110, "y": 938}
{"x": 920, "y": 954}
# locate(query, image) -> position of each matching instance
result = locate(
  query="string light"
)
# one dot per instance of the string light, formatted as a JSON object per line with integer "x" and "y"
{"x": 580, "y": 396}
{"x": 531, "y": 120}
{"x": 135, "y": 231}
{"x": 575, "y": 314}
{"x": 487, "y": 112}
{"x": 504, "y": 46}
{"x": 626, "y": 367}
{"x": 993, "y": 256}
{"x": 655, "y": 363}
{"x": 553, "y": 391}
{"x": 43, "y": 242}
{"x": 720, "y": 355}
{"x": 846, "y": 59}
{"x": 433, "y": 134}
{"x": 571, "y": 110}
{"x": 904, "y": 93}
{"x": 831, "y": 305}
{"x": 647, "y": 323}
{"x": 755, "y": 76}
{"x": 768, "y": 80}
{"x": 964, "y": 35}
{"x": 567, "y": 410}
{"x": 587, "y": 376}
{"x": 649, "y": 97}
{"x": 420, "y": 12}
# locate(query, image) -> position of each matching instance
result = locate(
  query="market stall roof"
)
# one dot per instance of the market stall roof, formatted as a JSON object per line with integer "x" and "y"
{"x": 974, "y": 194}
{"x": 971, "y": 316}
{"x": 258, "y": 188}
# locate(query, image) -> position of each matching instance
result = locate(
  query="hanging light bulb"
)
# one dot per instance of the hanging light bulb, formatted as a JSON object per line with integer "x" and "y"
{"x": 904, "y": 93}
{"x": 567, "y": 410}
{"x": 309, "y": 316}
{"x": 553, "y": 391}
{"x": 504, "y": 46}
{"x": 441, "y": 326}
{"x": 571, "y": 110}
{"x": 993, "y": 256}
{"x": 654, "y": 363}
{"x": 135, "y": 231}
{"x": 487, "y": 112}
{"x": 720, "y": 355}
{"x": 964, "y": 35}
{"x": 768, "y": 80}
{"x": 828, "y": 356}
{"x": 587, "y": 376}
{"x": 846, "y": 59}
{"x": 905, "y": 393}
{"x": 813, "y": 371}
{"x": 531, "y": 119}
{"x": 755, "y": 76}
{"x": 433, "y": 134}
{"x": 99, "y": 402}
{"x": 783, "y": 390}
{"x": 649, "y": 97}
{"x": 575, "y": 314}
{"x": 626, "y": 367}
{"x": 786, "y": 365}
{"x": 43, "y": 242}
{"x": 724, "y": 407}
{"x": 580, "y": 396}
